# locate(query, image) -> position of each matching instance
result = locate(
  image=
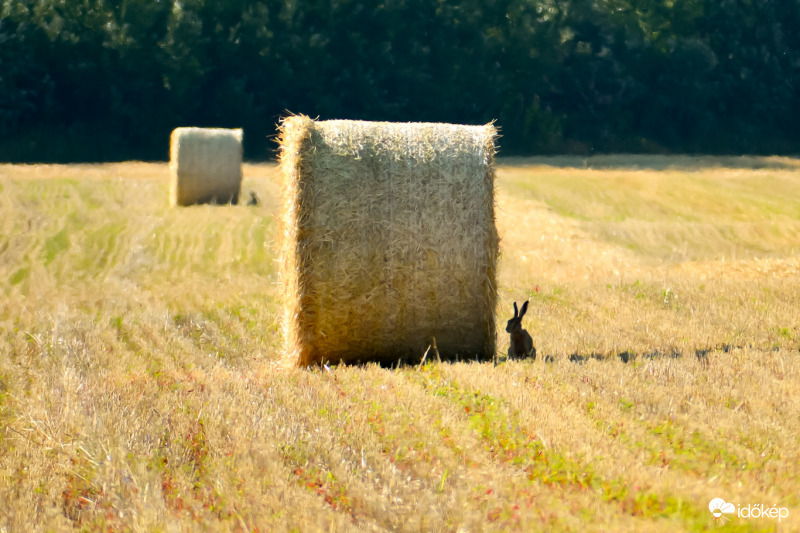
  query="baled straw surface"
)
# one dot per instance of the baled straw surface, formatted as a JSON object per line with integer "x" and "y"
{"x": 389, "y": 240}
{"x": 205, "y": 166}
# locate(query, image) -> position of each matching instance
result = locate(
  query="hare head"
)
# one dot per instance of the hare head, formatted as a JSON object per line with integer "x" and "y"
{"x": 515, "y": 324}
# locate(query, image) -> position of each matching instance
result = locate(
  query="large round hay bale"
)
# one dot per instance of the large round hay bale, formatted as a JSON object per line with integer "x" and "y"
{"x": 388, "y": 240}
{"x": 205, "y": 166}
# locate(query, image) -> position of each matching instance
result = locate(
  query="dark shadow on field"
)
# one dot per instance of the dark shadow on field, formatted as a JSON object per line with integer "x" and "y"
{"x": 406, "y": 362}
{"x": 627, "y": 356}
{"x": 630, "y": 356}
{"x": 417, "y": 362}
{"x": 686, "y": 163}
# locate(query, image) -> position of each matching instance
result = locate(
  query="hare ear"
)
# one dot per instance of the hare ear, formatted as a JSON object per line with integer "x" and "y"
{"x": 524, "y": 309}
{"x": 515, "y": 310}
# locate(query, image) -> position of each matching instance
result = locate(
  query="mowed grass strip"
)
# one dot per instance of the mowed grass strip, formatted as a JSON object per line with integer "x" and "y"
{"x": 673, "y": 214}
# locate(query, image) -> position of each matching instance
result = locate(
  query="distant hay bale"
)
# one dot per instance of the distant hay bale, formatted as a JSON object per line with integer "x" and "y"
{"x": 205, "y": 166}
{"x": 388, "y": 240}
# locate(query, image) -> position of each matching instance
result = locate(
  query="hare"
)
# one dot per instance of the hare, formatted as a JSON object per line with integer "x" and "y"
{"x": 521, "y": 341}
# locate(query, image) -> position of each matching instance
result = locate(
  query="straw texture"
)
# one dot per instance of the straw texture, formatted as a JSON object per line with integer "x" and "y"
{"x": 388, "y": 240}
{"x": 205, "y": 166}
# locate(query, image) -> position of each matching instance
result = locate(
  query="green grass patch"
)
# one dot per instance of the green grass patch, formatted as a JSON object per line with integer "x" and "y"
{"x": 55, "y": 245}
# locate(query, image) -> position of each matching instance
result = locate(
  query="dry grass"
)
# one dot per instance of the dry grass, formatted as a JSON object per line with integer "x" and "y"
{"x": 140, "y": 390}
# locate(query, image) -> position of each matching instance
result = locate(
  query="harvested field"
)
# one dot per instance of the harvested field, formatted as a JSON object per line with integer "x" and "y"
{"x": 141, "y": 384}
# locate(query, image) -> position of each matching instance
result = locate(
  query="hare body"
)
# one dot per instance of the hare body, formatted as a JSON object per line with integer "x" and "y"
{"x": 521, "y": 342}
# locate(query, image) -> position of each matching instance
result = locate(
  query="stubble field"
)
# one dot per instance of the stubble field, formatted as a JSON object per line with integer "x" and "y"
{"x": 141, "y": 386}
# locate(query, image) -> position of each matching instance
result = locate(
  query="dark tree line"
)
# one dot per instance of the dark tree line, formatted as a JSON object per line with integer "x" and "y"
{"x": 103, "y": 80}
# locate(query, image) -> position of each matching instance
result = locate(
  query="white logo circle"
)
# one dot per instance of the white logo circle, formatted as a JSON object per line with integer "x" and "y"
{"x": 718, "y": 506}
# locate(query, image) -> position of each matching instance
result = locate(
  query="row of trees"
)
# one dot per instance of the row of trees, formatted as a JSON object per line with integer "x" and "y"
{"x": 103, "y": 80}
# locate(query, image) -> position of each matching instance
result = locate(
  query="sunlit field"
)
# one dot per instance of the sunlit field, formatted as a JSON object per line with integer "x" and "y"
{"x": 142, "y": 386}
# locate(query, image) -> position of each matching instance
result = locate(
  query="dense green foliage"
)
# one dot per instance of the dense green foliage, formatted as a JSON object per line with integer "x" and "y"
{"x": 102, "y": 80}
